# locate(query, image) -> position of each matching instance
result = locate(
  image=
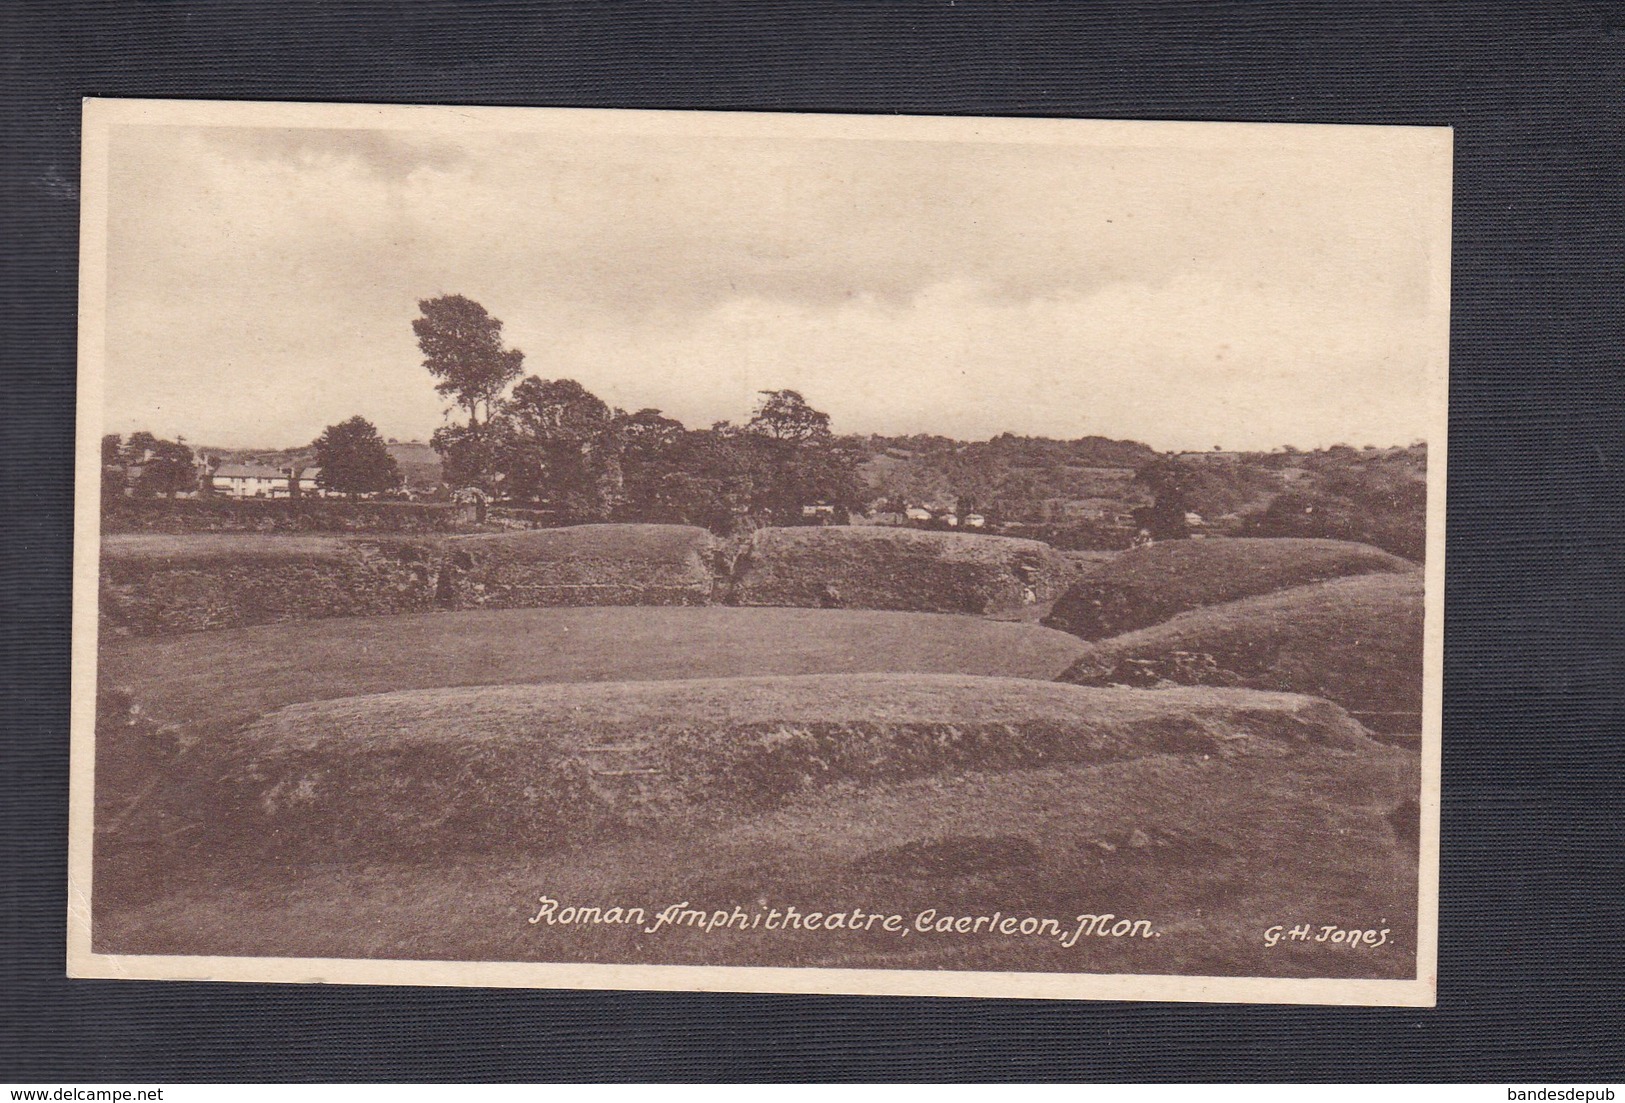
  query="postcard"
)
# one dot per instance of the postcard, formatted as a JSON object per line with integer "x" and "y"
{"x": 759, "y": 552}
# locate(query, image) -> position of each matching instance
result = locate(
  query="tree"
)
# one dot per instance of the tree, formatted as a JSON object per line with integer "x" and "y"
{"x": 1170, "y": 483}
{"x": 555, "y": 441}
{"x": 139, "y": 448}
{"x": 462, "y": 347}
{"x": 354, "y": 459}
{"x": 558, "y": 409}
{"x": 114, "y": 479}
{"x": 785, "y": 415}
{"x": 650, "y": 446}
{"x": 796, "y": 460}
{"x": 167, "y": 466}
{"x": 713, "y": 481}
{"x": 467, "y": 456}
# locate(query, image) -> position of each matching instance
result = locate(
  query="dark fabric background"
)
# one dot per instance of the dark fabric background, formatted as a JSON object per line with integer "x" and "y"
{"x": 1532, "y": 931}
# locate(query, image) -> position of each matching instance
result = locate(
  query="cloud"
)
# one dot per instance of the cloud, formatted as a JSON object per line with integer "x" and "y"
{"x": 1171, "y": 364}
{"x": 262, "y": 283}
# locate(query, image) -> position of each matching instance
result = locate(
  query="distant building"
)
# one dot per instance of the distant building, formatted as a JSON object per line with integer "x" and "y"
{"x": 247, "y": 480}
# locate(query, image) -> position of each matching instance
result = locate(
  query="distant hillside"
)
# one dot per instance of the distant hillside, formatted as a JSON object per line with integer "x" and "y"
{"x": 259, "y": 457}
{"x": 1085, "y": 492}
{"x": 1016, "y": 479}
{"x": 419, "y": 464}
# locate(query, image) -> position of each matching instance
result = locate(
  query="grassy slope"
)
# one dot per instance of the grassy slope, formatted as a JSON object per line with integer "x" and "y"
{"x": 464, "y": 715}
{"x": 201, "y": 547}
{"x": 591, "y": 541}
{"x": 234, "y": 674}
{"x": 874, "y": 567}
{"x": 455, "y": 713}
{"x": 594, "y": 541}
{"x": 166, "y": 584}
{"x": 1145, "y": 586}
{"x": 1212, "y": 839}
{"x": 586, "y": 565}
{"x": 1356, "y": 641}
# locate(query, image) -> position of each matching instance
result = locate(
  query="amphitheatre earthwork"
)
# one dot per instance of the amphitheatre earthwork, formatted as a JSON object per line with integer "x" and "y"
{"x": 370, "y": 746}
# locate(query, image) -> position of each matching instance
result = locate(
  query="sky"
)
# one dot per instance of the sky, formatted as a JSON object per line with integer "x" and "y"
{"x": 262, "y": 280}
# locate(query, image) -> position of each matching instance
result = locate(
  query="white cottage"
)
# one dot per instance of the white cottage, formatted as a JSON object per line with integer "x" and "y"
{"x": 247, "y": 480}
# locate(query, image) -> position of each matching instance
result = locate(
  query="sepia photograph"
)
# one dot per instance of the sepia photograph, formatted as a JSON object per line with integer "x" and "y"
{"x": 759, "y": 552}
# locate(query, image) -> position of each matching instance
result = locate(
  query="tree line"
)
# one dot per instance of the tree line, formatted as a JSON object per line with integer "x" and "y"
{"x": 553, "y": 443}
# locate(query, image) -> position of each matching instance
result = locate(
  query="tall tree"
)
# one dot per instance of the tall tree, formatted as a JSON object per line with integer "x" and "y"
{"x": 462, "y": 348}
{"x": 785, "y": 415}
{"x": 354, "y": 459}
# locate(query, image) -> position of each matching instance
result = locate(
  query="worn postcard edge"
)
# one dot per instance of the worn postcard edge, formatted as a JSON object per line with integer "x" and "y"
{"x": 101, "y": 115}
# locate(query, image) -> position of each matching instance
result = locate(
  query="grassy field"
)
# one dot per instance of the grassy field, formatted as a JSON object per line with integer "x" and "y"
{"x": 1356, "y": 641}
{"x": 233, "y": 675}
{"x": 1209, "y": 813}
{"x": 1145, "y": 586}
